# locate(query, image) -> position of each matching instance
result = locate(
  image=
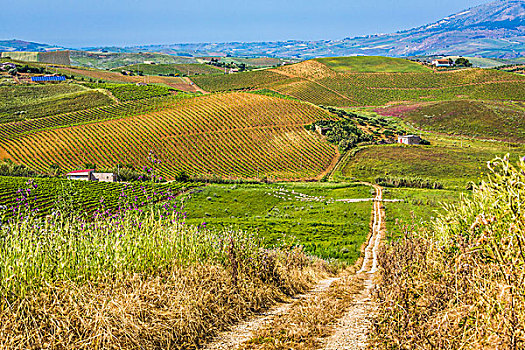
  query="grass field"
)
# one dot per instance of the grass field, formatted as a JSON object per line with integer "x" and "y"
{"x": 283, "y": 213}
{"x": 35, "y": 101}
{"x": 229, "y": 135}
{"x": 372, "y": 64}
{"x": 452, "y": 162}
{"x": 481, "y": 119}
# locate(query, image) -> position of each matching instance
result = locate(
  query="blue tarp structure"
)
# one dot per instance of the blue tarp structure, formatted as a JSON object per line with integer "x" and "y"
{"x": 53, "y": 78}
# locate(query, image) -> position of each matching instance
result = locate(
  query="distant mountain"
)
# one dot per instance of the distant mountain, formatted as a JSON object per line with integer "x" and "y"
{"x": 20, "y": 45}
{"x": 495, "y": 29}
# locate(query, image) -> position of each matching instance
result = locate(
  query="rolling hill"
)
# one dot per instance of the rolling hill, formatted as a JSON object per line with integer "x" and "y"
{"x": 371, "y": 81}
{"x": 235, "y": 135}
{"x": 480, "y": 119}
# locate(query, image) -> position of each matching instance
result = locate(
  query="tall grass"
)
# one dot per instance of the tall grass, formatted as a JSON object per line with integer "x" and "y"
{"x": 135, "y": 280}
{"x": 412, "y": 182}
{"x": 460, "y": 283}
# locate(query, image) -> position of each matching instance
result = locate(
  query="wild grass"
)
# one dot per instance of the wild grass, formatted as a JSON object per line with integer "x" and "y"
{"x": 459, "y": 283}
{"x": 307, "y": 214}
{"x": 135, "y": 280}
{"x": 480, "y": 119}
{"x": 413, "y": 182}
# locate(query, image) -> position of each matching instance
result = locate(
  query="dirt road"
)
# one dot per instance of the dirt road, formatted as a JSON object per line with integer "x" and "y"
{"x": 351, "y": 331}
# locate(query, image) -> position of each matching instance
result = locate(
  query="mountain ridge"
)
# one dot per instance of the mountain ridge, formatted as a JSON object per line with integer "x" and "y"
{"x": 495, "y": 30}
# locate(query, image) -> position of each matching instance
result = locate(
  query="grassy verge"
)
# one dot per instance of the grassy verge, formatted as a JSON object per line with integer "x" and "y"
{"x": 459, "y": 282}
{"x": 136, "y": 280}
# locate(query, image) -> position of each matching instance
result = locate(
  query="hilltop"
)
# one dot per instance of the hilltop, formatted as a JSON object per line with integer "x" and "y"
{"x": 371, "y": 81}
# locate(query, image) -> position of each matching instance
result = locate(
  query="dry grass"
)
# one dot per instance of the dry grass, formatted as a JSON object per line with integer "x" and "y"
{"x": 309, "y": 319}
{"x": 178, "y": 310}
{"x": 460, "y": 283}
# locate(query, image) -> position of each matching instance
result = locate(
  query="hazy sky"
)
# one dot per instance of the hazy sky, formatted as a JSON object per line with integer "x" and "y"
{"x": 77, "y": 23}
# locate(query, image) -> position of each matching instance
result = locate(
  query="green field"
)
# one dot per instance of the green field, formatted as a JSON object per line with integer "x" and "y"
{"x": 35, "y": 101}
{"x": 372, "y": 64}
{"x": 481, "y": 119}
{"x": 452, "y": 162}
{"x": 282, "y": 213}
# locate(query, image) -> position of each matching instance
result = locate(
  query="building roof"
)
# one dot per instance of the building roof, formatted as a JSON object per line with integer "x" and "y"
{"x": 52, "y": 78}
{"x": 409, "y": 136}
{"x": 80, "y": 171}
{"x": 442, "y": 60}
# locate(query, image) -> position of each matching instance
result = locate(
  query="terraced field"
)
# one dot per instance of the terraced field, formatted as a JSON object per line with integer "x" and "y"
{"x": 228, "y": 135}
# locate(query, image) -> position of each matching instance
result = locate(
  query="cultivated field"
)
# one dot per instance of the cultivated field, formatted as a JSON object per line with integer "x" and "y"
{"x": 229, "y": 135}
{"x": 356, "y": 81}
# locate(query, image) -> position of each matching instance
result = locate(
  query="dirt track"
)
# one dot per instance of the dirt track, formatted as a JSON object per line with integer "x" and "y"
{"x": 351, "y": 331}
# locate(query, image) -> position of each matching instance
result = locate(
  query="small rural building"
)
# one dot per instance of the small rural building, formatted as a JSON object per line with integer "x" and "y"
{"x": 409, "y": 139}
{"x": 149, "y": 62}
{"x": 141, "y": 84}
{"x": 85, "y": 175}
{"x": 48, "y": 78}
{"x": 443, "y": 62}
{"x": 105, "y": 177}
{"x": 91, "y": 175}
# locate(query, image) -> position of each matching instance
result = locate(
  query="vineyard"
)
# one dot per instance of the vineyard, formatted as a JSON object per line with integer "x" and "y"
{"x": 335, "y": 85}
{"x": 229, "y": 135}
{"x": 121, "y": 110}
{"x": 171, "y": 69}
{"x": 45, "y": 195}
{"x": 131, "y": 92}
{"x": 93, "y": 75}
{"x": 37, "y": 101}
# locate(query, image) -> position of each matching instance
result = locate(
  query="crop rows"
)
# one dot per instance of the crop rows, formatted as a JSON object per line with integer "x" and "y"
{"x": 237, "y": 81}
{"x": 236, "y": 134}
{"x": 48, "y": 194}
{"x": 132, "y": 92}
{"x": 313, "y": 82}
{"x": 121, "y": 110}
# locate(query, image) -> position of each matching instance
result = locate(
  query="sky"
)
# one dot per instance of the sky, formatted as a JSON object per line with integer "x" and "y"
{"x": 83, "y": 23}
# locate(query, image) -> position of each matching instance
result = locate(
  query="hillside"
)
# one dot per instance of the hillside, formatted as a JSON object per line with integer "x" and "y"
{"x": 228, "y": 135}
{"x": 481, "y": 119}
{"x": 364, "y": 81}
